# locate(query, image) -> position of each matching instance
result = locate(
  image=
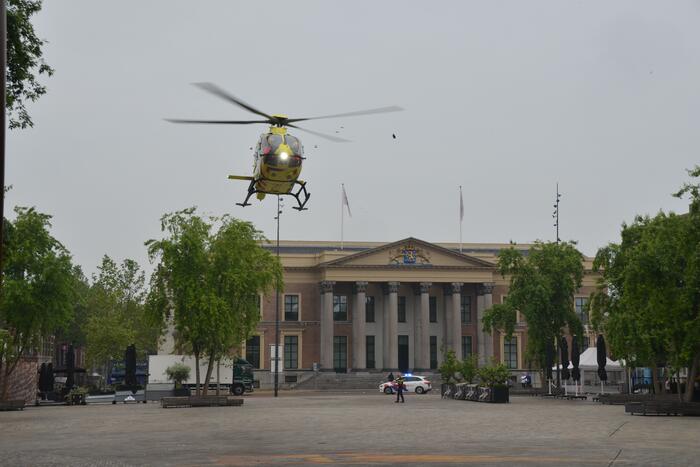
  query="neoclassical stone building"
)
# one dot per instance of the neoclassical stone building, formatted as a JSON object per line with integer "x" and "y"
{"x": 387, "y": 306}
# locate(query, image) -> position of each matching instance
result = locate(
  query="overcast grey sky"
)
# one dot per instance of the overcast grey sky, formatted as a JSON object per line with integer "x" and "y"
{"x": 503, "y": 98}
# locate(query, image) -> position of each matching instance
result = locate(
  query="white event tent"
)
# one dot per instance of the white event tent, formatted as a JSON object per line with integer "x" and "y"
{"x": 588, "y": 362}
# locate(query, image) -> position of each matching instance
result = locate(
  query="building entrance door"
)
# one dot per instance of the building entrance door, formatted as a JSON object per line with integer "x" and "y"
{"x": 340, "y": 354}
{"x": 403, "y": 354}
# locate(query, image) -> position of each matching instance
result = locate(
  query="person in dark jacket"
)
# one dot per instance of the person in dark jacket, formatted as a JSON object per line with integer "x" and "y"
{"x": 390, "y": 377}
{"x": 400, "y": 387}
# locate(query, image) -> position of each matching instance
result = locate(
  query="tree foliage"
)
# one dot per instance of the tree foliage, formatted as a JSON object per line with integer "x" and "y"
{"x": 648, "y": 299}
{"x": 178, "y": 373}
{"x": 469, "y": 368}
{"x": 495, "y": 374}
{"x": 542, "y": 288}
{"x": 37, "y": 290}
{"x": 210, "y": 282}
{"x": 116, "y": 316}
{"x": 25, "y": 61}
{"x": 449, "y": 367}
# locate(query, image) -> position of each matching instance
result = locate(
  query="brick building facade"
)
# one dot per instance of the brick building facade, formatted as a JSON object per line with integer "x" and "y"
{"x": 386, "y": 307}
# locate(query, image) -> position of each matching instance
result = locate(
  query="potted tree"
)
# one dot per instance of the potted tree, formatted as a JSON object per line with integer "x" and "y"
{"x": 469, "y": 368}
{"x": 179, "y": 373}
{"x": 495, "y": 379}
{"x": 448, "y": 370}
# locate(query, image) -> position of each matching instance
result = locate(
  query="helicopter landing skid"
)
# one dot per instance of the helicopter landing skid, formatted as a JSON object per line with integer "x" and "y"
{"x": 301, "y": 195}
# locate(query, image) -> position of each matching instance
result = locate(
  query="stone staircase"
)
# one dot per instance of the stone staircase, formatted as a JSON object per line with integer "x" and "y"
{"x": 345, "y": 381}
{"x": 342, "y": 381}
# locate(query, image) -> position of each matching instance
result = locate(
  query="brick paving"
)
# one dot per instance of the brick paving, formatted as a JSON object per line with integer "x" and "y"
{"x": 355, "y": 428}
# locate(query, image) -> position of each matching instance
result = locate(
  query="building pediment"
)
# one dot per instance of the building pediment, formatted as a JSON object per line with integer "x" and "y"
{"x": 409, "y": 253}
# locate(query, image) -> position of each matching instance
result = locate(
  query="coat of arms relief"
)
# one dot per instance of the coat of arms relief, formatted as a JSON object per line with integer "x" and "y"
{"x": 408, "y": 254}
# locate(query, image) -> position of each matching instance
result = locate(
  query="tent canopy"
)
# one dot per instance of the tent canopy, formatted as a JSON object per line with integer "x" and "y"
{"x": 589, "y": 361}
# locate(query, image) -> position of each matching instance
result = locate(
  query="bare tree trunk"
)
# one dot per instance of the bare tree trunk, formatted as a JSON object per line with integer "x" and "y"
{"x": 210, "y": 367}
{"x": 692, "y": 374}
{"x": 196, "y": 371}
{"x": 655, "y": 379}
{"x": 218, "y": 377}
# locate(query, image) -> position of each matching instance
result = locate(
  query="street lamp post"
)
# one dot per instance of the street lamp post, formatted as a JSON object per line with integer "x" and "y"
{"x": 3, "y": 66}
{"x": 277, "y": 303}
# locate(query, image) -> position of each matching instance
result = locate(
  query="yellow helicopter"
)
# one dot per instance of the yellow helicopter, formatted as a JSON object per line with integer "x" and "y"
{"x": 278, "y": 156}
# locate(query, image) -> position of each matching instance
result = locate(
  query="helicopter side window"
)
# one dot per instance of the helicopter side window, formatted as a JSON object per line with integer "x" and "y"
{"x": 264, "y": 146}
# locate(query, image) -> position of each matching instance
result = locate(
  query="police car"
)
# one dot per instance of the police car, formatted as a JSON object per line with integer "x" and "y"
{"x": 417, "y": 384}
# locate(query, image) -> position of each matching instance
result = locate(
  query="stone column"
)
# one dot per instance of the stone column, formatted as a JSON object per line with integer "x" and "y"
{"x": 456, "y": 321}
{"x": 421, "y": 339}
{"x": 484, "y": 301}
{"x": 359, "y": 352}
{"x": 326, "y": 315}
{"x": 391, "y": 358}
{"x": 446, "y": 319}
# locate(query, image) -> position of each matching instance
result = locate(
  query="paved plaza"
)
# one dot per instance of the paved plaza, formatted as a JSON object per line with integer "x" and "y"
{"x": 348, "y": 429}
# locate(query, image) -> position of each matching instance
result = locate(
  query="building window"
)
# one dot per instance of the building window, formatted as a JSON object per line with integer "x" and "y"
{"x": 369, "y": 310}
{"x": 340, "y": 353}
{"x": 291, "y": 352}
{"x": 252, "y": 351}
{"x": 466, "y": 346}
{"x": 291, "y": 307}
{"x": 510, "y": 352}
{"x": 433, "y": 310}
{"x": 466, "y": 309}
{"x": 340, "y": 308}
{"x": 581, "y": 305}
{"x": 433, "y": 352}
{"x": 369, "y": 347}
{"x": 402, "y": 309}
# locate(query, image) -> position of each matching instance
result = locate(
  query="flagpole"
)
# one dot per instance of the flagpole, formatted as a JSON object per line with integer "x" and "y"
{"x": 461, "y": 210}
{"x": 342, "y": 214}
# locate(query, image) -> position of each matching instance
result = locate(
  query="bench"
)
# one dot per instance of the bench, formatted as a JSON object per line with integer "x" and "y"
{"x": 200, "y": 401}
{"x": 621, "y": 399}
{"x": 662, "y": 407}
{"x": 16, "y": 404}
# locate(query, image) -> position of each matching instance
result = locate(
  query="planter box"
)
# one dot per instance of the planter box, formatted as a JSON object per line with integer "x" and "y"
{"x": 472, "y": 392}
{"x": 500, "y": 394}
{"x": 201, "y": 401}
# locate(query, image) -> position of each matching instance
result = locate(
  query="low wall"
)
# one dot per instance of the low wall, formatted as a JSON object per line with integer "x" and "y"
{"x": 24, "y": 380}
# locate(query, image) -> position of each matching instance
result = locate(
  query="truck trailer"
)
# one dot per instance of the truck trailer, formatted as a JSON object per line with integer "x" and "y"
{"x": 235, "y": 374}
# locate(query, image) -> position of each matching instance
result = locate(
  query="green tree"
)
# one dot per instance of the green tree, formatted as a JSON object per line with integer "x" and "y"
{"x": 38, "y": 288}
{"x": 542, "y": 287}
{"x": 495, "y": 374}
{"x": 469, "y": 368}
{"x": 178, "y": 373}
{"x": 648, "y": 300}
{"x": 24, "y": 61}
{"x": 450, "y": 366}
{"x": 74, "y": 330}
{"x": 209, "y": 282}
{"x": 116, "y": 314}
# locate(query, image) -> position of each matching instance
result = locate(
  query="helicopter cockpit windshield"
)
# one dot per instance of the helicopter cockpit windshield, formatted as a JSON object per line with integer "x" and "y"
{"x": 294, "y": 144}
{"x": 269, "y": 143}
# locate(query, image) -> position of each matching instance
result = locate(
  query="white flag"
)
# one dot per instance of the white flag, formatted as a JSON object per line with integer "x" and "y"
{"x": 345, "y": 201}
{"x": 461, "y": 205}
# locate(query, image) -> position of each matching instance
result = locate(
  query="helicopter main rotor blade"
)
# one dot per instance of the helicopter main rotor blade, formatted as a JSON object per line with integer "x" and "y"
{"x": 335, "y": 139}
{"x": 223, "y": 122}
{"x": 380, "y": 110}
{"x": 217, "y": 91}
